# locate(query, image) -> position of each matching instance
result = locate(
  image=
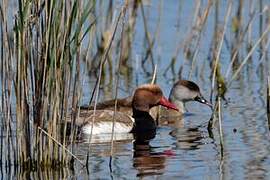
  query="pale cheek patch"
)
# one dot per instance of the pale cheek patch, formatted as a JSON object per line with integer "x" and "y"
{"x": 106, "y": 128}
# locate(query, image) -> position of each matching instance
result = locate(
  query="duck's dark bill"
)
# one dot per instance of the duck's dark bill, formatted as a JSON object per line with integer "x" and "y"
{"x": 203, "y": 101}
{"x": 166, "y": 103}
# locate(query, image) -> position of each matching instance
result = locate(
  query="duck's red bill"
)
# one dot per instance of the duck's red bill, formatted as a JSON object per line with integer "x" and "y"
{"x": 166, "y": 103}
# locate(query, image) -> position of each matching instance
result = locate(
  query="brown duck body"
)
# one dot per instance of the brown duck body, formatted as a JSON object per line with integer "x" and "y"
{"x": 103, "y": 116}
{"x": 123, "y": 105}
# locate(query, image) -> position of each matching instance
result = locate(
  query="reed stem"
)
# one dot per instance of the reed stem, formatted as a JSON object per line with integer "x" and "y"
{"x": 99, "y": 76}
{"x": 61, "y": 145}
{"x": 248, "y": 55}
{"x": 268, "y": 101}
{"x": 116, "y": 85}
{"x": 154, "y": 77}
{"x": 220, "y": 127}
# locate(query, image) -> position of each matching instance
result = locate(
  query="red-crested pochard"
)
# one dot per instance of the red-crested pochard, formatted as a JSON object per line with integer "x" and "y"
{"x": 181, "y": 92}
{"x": 145, "y": 97}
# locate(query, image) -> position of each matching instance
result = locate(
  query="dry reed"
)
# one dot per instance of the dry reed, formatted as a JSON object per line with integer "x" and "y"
{"x": 268, "y": 101}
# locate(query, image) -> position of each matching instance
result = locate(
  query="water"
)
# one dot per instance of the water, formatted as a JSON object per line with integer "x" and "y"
{"x": 187, "y": 152}
{"x": 180, "y": 153}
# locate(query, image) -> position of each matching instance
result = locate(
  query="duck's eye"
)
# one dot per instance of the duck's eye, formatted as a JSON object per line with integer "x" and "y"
{"x": 197, "y": 98}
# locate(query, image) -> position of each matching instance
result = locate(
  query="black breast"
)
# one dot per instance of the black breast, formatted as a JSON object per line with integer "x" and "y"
{"x": 144, "y": 128}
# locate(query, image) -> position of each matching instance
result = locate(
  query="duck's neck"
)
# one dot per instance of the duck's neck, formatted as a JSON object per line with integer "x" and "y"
{"x": 179, "y": 104}
{"x": 143, "y": 121}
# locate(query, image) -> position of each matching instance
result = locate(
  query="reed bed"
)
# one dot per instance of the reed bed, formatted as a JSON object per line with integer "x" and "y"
{"x": 43, "y": 72}
{"x": 44, "y": 48}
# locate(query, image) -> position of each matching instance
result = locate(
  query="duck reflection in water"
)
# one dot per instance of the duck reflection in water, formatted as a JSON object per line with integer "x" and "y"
{"x": 147, "y": 162}
{"x": 188, "y": 138}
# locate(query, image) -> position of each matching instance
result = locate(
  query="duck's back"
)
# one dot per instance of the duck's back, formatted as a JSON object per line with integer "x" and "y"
{"x": 124, "y": 105}
{"x": 169, "y": 117}
{"x": 103, "y": 122}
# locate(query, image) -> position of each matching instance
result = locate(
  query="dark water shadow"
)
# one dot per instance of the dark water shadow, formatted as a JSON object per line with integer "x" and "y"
{"x": 145, "y": 160}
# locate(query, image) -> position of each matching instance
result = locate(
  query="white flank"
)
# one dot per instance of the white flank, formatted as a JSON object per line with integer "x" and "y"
{"x": 106, "y": 128}
{"x": 105, "y": 138}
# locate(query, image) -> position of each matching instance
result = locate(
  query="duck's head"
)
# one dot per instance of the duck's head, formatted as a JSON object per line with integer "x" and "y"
{"x": 150, "y": 95}
{"x": 184, "y": 91}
